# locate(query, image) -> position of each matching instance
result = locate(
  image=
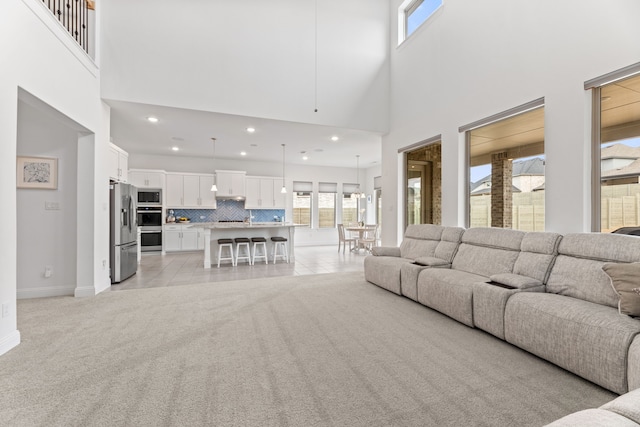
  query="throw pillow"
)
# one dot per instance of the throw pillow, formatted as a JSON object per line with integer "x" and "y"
{"x": 625, "y": 279}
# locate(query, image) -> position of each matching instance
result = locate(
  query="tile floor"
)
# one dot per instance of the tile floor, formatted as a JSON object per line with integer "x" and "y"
{"x": 156, "y": 270}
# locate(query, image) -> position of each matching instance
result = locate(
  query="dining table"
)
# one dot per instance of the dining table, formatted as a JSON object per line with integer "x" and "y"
{"x": 360, "y": 229}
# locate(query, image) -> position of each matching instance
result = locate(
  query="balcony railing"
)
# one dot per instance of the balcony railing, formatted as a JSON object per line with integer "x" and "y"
{"x": 74, "y": 16}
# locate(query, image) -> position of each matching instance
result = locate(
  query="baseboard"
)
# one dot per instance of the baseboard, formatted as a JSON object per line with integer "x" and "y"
{"x": 92, "y": 291}
{"x": 9, "y": 342}
{"x": 44, "y": 292}
{"x": 103, "y": 286}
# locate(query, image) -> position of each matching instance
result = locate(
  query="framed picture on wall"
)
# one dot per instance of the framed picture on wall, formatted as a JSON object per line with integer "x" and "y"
{"x": 37, "y": 172}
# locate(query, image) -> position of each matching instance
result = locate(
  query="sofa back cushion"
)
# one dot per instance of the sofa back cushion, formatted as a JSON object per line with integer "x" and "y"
{"x": 448, "y": 245}
{"x": 488, "y": 251}
{"x": 537, "y": 253}
{"x": 577, "y": 271}
{"x": 420, "y": 240}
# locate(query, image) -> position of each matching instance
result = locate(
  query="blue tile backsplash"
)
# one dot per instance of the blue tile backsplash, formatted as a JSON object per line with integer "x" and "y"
{"x": 228, "y": 210}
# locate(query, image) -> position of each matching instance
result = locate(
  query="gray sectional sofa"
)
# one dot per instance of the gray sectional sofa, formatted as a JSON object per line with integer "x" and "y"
{"x": 543, "y": 292}
{"x": 623, "y": 411}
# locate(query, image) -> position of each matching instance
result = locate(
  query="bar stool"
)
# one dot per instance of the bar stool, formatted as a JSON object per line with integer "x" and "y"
{"x": 226, "y": 243}
{"x": 262, "y": 242}
{"x": 243, "y": 242}
{"x": 280, "y": 243}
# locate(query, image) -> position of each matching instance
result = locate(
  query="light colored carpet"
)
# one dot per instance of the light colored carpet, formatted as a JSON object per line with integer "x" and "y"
{"x": 323, "y": 350}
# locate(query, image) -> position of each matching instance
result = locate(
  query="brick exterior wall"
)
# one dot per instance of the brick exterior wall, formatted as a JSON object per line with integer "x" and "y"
{"x": 501, "y": 191}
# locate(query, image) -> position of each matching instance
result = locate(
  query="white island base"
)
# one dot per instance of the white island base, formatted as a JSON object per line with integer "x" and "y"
{"x": 215, "y": 231}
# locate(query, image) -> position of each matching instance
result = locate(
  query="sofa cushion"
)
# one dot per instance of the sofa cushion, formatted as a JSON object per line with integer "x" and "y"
{"x": 448, "y": 245}
{"x": 449, "y": 291}
{"x": 487, "y": 251}
{"x": 625, "y": 280}
{"x": 384, "y": 271}
{"x": 420, "y": 240}
{"x": 590, "y": 340}
{"x": 593, "y": 418}
{"x": 515, "y": 281}
{"x": 577, "y": 270}
{"x": 601, "y": 246}
{"x": 627, "y": 405}
{"x": 583, "y": 279}
{"x": 385, "y": 251}
{"x": 537, "y": 252}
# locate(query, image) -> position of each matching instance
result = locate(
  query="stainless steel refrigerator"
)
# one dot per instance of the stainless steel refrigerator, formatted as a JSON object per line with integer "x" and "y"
{"x": 123, "y": 232}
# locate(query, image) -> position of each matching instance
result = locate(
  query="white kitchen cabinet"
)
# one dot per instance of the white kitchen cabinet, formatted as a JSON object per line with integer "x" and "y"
{"x": 264, "y": 193}
{"x": 174, "y": 192}
{"x": 230, "y": 184}
{"x": 190, "y": 191}
{"x": 118, "y": 163}
{"x": 141, "y": 178}
{"x": 180, "y": 237}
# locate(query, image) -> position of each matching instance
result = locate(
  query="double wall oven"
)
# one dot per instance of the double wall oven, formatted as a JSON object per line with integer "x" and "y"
{"x": 150, "y": 219}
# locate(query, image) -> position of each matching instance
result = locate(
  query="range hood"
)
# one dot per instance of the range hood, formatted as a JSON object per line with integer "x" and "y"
{"x": 226, "y": 197}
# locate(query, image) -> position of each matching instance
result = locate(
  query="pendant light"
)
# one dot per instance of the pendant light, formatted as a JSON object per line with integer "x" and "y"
{"x": 284, "y": 189}
{"x": 214, "y": 187}
{"x": 357, "y": 194}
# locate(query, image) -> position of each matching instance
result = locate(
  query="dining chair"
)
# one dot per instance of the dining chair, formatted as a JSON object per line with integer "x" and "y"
{"x": 370, "y": 237}
{"x": 343, "y": 239}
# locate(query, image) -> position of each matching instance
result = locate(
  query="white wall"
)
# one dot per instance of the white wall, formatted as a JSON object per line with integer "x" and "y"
{"x": 47, "y": 237}
{"x": 252, "y": 58}
{"x": 45, "y": 62}
{"x": 475, "y": 59}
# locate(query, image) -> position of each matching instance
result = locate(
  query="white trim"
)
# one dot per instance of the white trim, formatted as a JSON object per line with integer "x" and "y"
{"x": 40, "y": 10}
{"x": 45, "y": 292}
{"x": 423, "y": 143}
{"x": 9, "y": 342}
{"x": 613, "y": 76}
{"x": 92, "y": 291}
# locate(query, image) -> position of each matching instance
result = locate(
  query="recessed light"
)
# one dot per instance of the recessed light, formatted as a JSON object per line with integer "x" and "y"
{"x": 152, "y": 119}
{"x": 254, "y": 145}
{"x": 251, "y": 130}
{"x": 243, "y": 153}
{"x": 177, "y": 138}
{"x": 318, "y": 150}
{"x": 305, "y": 158}
{"x": 334, "y": 138}
{"x": 606, "y": 98}
{"x": 175, "y": 148}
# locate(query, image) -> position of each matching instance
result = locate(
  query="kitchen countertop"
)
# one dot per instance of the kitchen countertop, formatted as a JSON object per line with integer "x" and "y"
{"x": 235, "y": 225}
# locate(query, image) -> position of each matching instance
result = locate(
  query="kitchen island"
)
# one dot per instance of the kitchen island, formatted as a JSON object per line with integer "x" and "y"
{"x": 231, "y": 230}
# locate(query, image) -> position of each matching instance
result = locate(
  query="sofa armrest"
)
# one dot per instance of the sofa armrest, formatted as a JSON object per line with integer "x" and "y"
{"x": 516, "y": 281}
{"x": 385, "y": 251}
{"x": 429, "y": 261}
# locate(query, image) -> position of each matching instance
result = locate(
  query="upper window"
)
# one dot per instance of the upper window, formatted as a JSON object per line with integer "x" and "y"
{"x": 412, "y": 14}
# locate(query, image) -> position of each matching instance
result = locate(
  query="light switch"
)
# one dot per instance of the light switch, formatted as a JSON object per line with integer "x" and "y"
{"x": 52, "y": 206}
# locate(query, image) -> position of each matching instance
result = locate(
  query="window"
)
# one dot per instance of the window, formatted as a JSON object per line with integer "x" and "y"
{"x": 302, "y": 203}
{"x": 424, "y": 184}
{"x": 302, "y": 208}
{"x": 507, "y": 171}
{"x": 618, "y": 158}
{"x": 327, "y": 204}
{"x": 350, "y": 204}
{"x": 412, "y": 14}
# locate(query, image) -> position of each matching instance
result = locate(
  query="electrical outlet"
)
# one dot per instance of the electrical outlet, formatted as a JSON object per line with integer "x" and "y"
{"x": 6, "y": 309}
{"x": 48, "y": 271}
